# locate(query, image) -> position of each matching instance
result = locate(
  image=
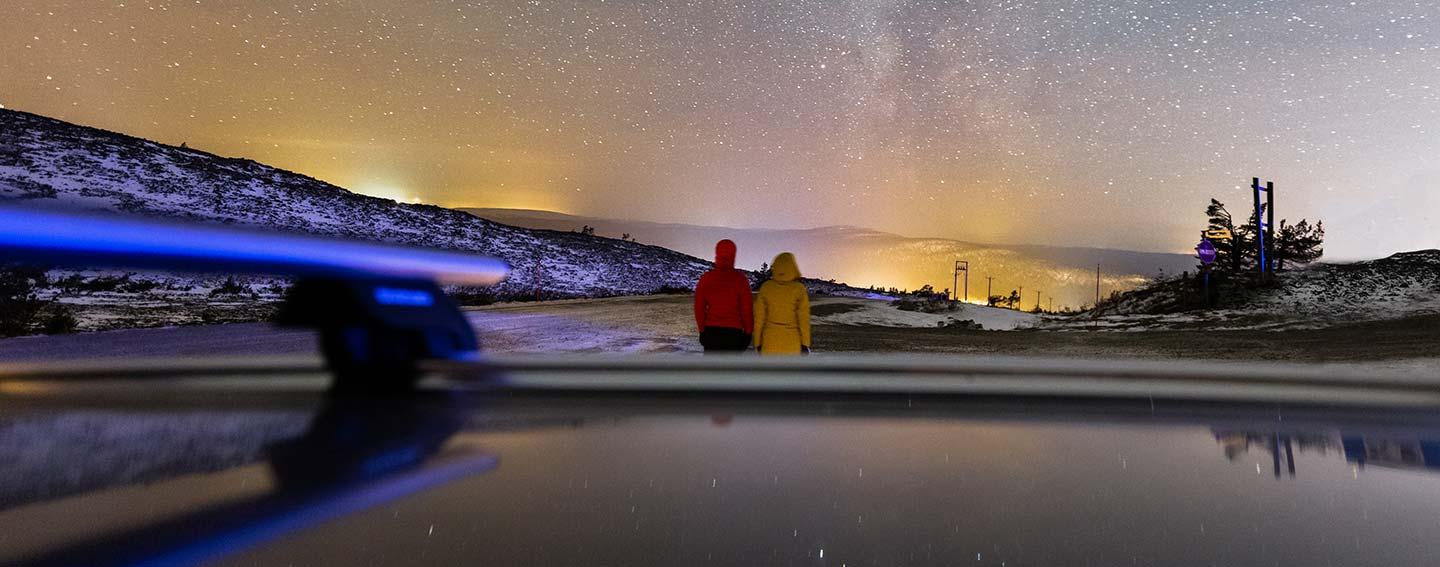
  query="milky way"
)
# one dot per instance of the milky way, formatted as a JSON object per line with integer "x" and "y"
{"x": 1071, "y": 122}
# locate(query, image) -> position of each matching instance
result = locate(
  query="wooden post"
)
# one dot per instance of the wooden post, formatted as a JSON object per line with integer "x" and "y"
{"x": 1269, "y": 226}
{"x": 1261, "y": 261}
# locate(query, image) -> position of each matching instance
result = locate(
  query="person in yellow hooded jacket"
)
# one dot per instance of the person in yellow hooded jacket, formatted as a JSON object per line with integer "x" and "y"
{"x": 782, "y": 311}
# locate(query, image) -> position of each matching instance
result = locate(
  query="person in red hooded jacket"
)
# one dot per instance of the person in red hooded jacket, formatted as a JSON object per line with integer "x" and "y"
{"x": 723, "y": 304}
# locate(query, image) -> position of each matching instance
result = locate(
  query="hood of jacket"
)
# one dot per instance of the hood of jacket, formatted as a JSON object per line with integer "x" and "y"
{"x": 725, "y": 255}
{"x": 784, "y": 268}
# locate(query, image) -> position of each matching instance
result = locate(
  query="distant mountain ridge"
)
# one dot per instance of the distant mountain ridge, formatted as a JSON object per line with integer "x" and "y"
{"x": 864, "y": 257}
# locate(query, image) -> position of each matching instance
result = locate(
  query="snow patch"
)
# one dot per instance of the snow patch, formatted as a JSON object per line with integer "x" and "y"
{"x": 882, "y": 314}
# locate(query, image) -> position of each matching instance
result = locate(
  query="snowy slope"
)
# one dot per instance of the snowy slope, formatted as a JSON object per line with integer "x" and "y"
{"x": 52, "y": 163}
{"x": 1403, "y": 285}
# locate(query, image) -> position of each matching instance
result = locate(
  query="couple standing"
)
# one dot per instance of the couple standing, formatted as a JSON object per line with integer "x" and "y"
{"x": 778, "y": 316}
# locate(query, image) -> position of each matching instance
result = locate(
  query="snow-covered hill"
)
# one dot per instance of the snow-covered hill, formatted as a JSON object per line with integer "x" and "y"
{"x": 50, "y": 163}
{"x": 1403, "y": 285}
{"x": 54, "y": 163}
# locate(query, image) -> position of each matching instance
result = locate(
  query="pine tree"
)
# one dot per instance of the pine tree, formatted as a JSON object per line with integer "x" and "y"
{"x": 1236, "y": 254}
{"x": 764, "y": 274}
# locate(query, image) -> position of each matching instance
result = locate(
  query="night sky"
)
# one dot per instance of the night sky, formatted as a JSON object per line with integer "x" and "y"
{"x": 1063, "y": 122}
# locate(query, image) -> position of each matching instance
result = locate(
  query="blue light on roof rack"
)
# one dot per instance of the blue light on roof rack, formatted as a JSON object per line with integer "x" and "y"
{"x": 403, "y": 297}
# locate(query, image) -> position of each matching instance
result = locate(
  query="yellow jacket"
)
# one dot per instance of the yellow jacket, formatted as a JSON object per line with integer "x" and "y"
{"x": 782, "y": 310}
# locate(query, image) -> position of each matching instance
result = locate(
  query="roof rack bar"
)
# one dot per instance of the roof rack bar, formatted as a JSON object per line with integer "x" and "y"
{"x": 84, "y": 240}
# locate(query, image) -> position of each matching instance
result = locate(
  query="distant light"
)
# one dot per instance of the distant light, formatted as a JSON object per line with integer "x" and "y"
{"x": 385, "y": 191}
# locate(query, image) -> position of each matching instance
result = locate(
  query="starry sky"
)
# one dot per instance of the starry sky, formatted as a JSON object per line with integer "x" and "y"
{"x": 1075, "y": 122}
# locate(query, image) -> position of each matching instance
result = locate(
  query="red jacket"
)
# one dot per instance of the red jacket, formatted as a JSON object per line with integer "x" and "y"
{"x": 722, "y": 298}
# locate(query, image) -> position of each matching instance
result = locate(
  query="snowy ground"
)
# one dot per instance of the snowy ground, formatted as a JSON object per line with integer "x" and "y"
{"x": 664, "y": 324}
{"x": 881, "y": 314}
{"x": 612, "y": 325}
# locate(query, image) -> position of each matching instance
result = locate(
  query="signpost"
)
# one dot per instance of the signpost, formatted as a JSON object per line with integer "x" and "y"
{"x": 1206, "y": 252}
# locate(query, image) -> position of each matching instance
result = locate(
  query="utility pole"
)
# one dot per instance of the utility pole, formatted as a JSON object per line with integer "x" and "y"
{"x": 989, "y": 282}
{"x": 1020, "y": 305}
{"x": 1097, "y": 285}
{"x": 1052, "y": 304}
{"x": 961, "y": 266}
{"x": 1037, "y": 300}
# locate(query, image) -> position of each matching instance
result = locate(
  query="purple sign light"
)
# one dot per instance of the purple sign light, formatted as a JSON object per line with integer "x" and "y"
{"x": 1206, "y": 251}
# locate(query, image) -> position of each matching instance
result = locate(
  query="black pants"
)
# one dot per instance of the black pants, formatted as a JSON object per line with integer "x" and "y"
{"x": 724, "y": 339}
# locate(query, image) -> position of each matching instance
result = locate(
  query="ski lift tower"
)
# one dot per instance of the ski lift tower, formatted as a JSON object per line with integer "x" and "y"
{"x": 1265, "y": 219}
{"x": 961, "y": 266}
